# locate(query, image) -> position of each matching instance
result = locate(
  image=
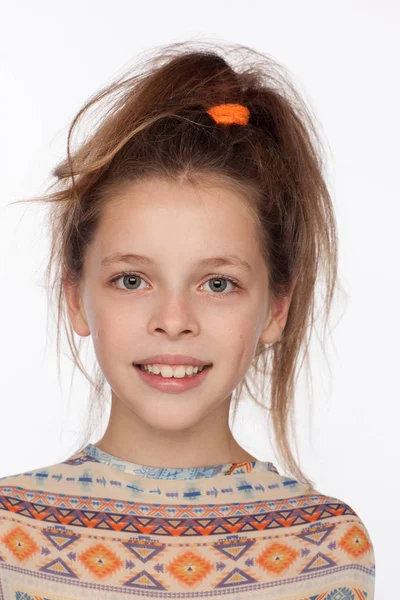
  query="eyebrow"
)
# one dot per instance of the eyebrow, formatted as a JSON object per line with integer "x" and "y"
{"x": 215, "y": 261}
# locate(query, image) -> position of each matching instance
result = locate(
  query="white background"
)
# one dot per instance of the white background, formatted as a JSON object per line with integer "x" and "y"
{"x": 344, "y": 56}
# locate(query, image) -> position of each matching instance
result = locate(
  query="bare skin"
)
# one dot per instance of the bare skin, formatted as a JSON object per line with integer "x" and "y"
{"x": 175, "y": 310}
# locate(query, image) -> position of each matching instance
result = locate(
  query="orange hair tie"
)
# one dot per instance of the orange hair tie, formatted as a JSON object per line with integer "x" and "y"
{"x": 230, "y": 114}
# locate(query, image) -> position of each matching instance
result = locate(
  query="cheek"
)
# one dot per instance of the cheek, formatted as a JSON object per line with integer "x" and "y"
{"x": 112, "y": 338}
{"x": 242, "y": 344}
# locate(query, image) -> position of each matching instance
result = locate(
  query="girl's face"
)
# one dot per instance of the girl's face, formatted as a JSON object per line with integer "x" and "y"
{"x": 174, "y": 306}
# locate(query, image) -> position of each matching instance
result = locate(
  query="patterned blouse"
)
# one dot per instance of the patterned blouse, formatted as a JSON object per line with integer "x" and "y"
{"x": 96, "y": 526}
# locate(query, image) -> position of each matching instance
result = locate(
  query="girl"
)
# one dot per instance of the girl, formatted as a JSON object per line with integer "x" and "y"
{"x": 188, "y": 232}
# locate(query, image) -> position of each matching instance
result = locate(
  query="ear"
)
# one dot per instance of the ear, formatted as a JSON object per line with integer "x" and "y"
{"x": 76, "y": 311}
{"x": 276, "y": 319}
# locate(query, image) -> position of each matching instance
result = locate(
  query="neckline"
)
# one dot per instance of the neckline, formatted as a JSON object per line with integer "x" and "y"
{"x": 235, "y": 468}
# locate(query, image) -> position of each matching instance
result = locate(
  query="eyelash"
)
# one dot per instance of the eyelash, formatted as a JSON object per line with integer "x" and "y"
{"x": 231, "y": 279}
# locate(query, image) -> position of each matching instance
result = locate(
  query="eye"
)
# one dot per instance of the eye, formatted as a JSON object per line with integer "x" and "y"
{"x": 219, "y": 279}
{"x": 130, "y": 278}
{"x": 133, "y": 279}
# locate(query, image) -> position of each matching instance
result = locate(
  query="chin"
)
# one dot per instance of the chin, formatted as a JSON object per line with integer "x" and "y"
{"x": 172, "y": 420}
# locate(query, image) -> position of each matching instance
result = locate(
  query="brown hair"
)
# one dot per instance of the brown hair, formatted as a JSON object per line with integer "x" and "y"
{"x": 156, "y": 124}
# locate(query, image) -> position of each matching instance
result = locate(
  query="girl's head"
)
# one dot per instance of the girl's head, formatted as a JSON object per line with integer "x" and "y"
{"x": 179, "y": 300}
{"x": 158, "y": 177}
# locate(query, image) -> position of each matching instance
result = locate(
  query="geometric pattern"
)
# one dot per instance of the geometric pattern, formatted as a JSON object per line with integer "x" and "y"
{"x": 135, "y": 519}
{"x": 85, "y": 529}
{"x": 319, "y": 562}
{"x": 58, "y": 567}
{"x": 95, "y": 454}
{"x": 20, "y": 543}
{"x": 342, "y": 593}
{"x": 100, "y": 561}
{"x": 189, "y": 568}
{"x": 277, "y": 558}
{"x": 355, "y": 542}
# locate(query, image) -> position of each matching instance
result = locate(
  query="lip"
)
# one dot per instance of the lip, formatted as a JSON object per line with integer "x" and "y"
{"x": 172, "y": 385}
{"x": 173, "y": 359}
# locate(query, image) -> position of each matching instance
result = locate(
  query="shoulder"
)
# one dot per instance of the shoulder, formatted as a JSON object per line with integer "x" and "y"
{"x": 29, "y": 525}
{"x": 27, "y": 498}
{"x": 348, "y": 522}
{"x": 58, "y": 476}
{"x": 340, "y": 540}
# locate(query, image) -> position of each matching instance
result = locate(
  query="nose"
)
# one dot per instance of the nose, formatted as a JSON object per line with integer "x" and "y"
{"x": 175, "y": 316}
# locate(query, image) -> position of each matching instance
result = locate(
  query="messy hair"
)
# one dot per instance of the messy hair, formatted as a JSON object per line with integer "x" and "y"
{"x": 153, "y": 122}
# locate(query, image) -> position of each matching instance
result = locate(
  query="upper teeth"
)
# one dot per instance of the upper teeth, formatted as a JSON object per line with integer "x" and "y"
{"x": 173, "y": 371}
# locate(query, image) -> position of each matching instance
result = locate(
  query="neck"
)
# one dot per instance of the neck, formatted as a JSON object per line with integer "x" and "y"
{"x": 207, "y": 443}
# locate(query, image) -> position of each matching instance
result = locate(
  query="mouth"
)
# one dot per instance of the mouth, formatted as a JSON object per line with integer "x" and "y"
{"x": 141, "y": 368}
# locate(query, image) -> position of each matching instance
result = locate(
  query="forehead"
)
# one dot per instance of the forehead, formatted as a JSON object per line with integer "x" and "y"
{"x": 167, "y": 216}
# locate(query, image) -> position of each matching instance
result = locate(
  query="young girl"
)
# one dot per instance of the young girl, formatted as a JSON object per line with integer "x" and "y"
{"x": 188, "y": 231}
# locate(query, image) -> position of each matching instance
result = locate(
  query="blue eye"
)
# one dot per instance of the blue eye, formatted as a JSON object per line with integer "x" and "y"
{"x": 128, "y": 275}
{"x": 226, "y": 279}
